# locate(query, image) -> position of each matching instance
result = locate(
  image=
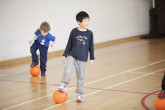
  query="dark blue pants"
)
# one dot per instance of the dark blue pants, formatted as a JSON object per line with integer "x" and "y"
{"x": 43, "y": 54}
{"x": 163, "y": 82}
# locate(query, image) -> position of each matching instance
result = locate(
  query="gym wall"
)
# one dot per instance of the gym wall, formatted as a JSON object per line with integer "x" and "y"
{"x": 110, "y": 19}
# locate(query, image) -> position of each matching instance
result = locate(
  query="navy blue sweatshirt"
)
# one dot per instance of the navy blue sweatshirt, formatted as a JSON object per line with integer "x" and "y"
{"x": 79, "y": 43}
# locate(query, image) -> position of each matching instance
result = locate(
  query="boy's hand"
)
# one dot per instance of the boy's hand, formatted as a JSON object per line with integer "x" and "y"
{"x": 51, "y": 45}
{"x": 30, "y": 42}
{"x": 63, "y": 59}
{"x": 91, "y": 62}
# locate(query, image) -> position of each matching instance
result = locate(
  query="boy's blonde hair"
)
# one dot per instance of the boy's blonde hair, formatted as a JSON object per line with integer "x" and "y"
{"x": 45, "y": 26}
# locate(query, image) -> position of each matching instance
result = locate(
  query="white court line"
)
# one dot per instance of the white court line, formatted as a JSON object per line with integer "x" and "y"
{"x": 108, "y": 87}
{"x": 139, "y": 72}
{"x": 86, "y": 84}
{"x": 146, "y": 73}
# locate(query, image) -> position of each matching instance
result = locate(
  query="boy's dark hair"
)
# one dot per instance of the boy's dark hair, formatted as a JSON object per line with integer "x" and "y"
{"x": 81, "y": 15}
{"x": 45, "y": 26}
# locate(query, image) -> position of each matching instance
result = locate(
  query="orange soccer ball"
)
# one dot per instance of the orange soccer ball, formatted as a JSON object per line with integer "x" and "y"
{"x": 35, "y": 71}
{"x": 59, "y": 96}
{"x": 160, "y": 104}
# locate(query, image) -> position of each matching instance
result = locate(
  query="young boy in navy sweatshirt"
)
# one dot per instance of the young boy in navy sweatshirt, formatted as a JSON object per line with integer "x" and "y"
{"x": 79, "y": 44}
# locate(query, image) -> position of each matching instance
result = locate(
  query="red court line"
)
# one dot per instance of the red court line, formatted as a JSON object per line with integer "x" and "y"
{"x": 142, "y": 100}
{"x": 118, "y": 90}
{"x": 32, "y": 82}
{"x": 86, "y": 87}
{"x": 145, "y": 97}
{"x": 25, "y": 72}
{"x": 96, "y": 55}
{"x": 12, "y": 75}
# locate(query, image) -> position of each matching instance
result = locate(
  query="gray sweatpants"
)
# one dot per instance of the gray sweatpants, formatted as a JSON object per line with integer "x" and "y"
{"x": 80, "y": 71}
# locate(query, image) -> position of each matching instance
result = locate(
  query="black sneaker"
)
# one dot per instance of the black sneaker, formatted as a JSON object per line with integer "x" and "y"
{"x": 33, "y": 64}
{"x": 43, "y": 74}
{"x": 161, "y": 95}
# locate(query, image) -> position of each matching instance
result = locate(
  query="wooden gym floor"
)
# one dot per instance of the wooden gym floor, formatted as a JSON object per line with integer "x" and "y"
{"x": 125, "y": 76}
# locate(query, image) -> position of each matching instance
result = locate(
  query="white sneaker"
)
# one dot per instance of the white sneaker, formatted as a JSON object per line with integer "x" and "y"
{"x": 79, "y": 98}
{"x": 62, "y": 87}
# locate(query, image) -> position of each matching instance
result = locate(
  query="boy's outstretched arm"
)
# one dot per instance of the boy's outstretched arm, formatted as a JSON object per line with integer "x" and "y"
{"x": 52, "y": 41}
{"x": 68, "y": 46}
{"x": 34, "y": 38}
{"x": 91, "y": 50}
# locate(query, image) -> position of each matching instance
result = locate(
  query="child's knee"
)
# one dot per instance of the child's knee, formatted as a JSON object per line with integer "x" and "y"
{"x": 68, "y": 70}
{"x": 32, "y": 49}
{"x": 81, "y": 77}
{"x": 43, "y": 60}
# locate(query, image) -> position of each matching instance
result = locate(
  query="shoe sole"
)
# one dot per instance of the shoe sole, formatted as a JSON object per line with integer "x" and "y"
{"x": 79, "y": 101}
{"x": 162, "y": 97}
{"x": 61, "y": 90}
{"x": 33, "y": 66}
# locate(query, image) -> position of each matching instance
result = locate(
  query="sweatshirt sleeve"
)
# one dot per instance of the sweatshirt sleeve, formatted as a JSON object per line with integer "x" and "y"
{"x": 68, "y": 46}
{"x": 91, "y": 48}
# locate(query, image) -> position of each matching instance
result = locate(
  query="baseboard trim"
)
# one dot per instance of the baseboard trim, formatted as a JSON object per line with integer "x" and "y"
{"x": 60, "y": 52}
{"x": 118, "y": 41}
